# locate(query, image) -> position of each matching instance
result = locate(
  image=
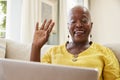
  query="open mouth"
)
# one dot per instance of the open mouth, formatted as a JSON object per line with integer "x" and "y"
{"x": 79, "y": 32}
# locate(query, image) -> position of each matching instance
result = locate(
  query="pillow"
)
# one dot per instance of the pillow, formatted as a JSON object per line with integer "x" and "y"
{"x": 2, "y": 48}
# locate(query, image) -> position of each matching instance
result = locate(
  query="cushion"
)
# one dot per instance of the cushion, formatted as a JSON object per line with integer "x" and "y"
{"x": 2, "y": 48}
{"x": 21, "y": 51}
{"x": 16, "y": 50}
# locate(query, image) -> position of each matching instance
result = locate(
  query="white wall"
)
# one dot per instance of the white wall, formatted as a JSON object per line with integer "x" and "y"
{"x": 106, "y": 20}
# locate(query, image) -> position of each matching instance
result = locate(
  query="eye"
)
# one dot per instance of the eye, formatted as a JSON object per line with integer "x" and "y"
{"x": 72, "y": 21}
{"x": 84, "y": 20}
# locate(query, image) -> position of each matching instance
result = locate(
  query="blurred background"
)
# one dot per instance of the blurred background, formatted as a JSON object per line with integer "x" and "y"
{"x": 18, "y": 19}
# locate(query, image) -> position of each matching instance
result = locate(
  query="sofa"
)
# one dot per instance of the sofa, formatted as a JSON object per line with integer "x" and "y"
{"x": 19, "y": 51}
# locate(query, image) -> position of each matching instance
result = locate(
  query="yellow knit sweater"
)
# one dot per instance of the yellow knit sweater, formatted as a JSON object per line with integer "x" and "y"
{"x": 96, "y": 56}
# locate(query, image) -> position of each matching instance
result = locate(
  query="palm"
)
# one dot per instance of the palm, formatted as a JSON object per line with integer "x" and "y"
{"x": 41, "y": 35}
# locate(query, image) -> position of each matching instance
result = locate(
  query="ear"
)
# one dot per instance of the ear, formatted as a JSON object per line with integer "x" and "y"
{"x": 68, "y": 25}
{"x": 91, "y": 24}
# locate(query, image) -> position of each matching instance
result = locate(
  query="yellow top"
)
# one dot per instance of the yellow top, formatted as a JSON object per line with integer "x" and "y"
{"x": 96, "y": 56}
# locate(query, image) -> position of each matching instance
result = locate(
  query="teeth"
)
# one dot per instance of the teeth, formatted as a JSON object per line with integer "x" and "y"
{"x": 79, "y": 31}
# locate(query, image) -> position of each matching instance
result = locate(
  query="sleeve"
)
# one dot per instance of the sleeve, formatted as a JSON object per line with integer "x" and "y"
{"x": 46, "y": 58}
{"x": 111, "y": 69}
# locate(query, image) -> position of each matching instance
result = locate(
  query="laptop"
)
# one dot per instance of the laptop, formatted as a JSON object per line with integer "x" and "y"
{"x": 24, "y": 70}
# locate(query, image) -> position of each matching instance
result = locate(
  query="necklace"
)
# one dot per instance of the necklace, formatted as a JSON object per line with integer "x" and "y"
{"x": 75, "y": 58}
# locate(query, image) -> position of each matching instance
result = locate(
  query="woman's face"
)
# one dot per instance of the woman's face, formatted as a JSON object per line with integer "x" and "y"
{"x": 79, "y": 24}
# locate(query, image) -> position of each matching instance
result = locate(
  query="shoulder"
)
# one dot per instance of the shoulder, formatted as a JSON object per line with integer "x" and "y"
{"x": 100, "y": 47}
{"x": 57, "y": 48}
{"x": 107, "y": 54}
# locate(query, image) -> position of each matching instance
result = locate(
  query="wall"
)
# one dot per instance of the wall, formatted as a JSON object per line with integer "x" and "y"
{"x": 106, "y": 21}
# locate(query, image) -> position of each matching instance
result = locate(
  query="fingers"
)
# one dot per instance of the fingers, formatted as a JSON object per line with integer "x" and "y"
{"x": 37, "y": 25}
{"x": 48, "y": 24}
{"x": 51, "y": 27}
{"x": 42, "y": 26}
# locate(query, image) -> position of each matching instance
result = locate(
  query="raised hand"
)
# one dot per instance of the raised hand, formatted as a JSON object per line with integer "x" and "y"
{"x": 41, "y": 34}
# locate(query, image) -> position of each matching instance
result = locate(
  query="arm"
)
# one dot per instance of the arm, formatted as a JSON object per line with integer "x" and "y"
{"x": 112, "y": 68}
{"x": 40, "y": 38}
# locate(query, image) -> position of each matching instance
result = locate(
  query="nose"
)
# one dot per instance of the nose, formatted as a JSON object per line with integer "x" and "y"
{"x": 79, "y": 24}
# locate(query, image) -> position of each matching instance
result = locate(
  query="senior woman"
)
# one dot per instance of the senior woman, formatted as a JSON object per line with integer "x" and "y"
{"x": 80, "y": 51}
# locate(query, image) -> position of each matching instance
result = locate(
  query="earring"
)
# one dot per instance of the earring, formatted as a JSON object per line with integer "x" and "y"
{"x": 68, "y": 39}
{"x": 90, "y": 39}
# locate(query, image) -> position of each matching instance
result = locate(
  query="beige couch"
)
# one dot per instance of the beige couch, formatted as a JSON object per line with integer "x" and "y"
{"x": 15, "y": 50}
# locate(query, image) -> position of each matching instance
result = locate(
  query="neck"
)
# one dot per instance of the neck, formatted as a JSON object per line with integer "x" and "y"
{"x": 80, "y": 44}
{"x": 76, "y": 48}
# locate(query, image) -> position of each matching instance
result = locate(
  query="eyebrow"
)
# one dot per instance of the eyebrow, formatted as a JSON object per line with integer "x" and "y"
{"x": 85, "y": 15}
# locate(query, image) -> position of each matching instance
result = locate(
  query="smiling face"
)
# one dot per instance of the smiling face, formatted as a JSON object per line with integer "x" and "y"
{"x": 79, "y": 24}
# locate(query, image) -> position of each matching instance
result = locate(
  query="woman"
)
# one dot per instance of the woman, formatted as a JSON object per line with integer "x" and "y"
{"x": 80, "y": 52}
